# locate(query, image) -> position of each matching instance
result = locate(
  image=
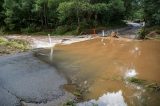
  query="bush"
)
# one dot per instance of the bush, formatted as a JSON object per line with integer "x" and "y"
{"x": 61, "y": 30}
{"x": 153, "y": 28}
{"x": 3, "y": 41}
{"x": 17, "y": 44}
{"x": 73, "y": 32}
{"x": 2, "y": 31}
{"x": 146, "y": 31}
{"x": 30, "y": 29}
{"x": 27, "y": 30}
{"x": 141, "y": 33}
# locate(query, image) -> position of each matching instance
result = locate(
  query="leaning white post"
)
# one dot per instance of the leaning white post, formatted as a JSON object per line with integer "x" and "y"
{"x": 103, "y": 33}
{"x": 50, "y": 43}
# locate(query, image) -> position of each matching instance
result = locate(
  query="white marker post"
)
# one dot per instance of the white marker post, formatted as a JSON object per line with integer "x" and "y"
{"x": 103, "y": 33}
{"x": 50, "y": 43}
{"x": 49, "y": 37}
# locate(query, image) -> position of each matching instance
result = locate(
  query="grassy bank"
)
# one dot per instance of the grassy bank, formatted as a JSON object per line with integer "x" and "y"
{"x": 12, "y": 46}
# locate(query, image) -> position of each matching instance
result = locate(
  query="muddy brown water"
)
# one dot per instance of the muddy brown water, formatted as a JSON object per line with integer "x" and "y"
{"x": 99, "y": 66}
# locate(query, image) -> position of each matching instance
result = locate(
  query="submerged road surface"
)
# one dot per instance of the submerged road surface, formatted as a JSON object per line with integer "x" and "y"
{"x": 24, "y": 78}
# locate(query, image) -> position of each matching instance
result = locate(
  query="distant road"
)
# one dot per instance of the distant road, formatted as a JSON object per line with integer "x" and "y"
{"x": 129, "y": 32}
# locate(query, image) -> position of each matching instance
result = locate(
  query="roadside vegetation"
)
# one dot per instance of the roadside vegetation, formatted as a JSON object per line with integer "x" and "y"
{"x": 12, "y": 46}
{"x": 152, "y": 32}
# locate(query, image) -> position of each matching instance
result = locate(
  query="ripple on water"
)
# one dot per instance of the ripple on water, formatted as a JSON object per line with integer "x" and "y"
{"x": 131, "y": 73}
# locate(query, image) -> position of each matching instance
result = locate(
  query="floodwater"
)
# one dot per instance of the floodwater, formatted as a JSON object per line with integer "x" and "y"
{"x": 100, "y": 66}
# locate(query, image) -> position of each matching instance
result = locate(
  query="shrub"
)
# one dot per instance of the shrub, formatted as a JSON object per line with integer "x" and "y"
{"x": 60, "y": 30}
{"x": 2, "y": 31}
{"x": 27, "y": 30}
{"x": 141, "y": 33}
{"x": 30, "y": 29}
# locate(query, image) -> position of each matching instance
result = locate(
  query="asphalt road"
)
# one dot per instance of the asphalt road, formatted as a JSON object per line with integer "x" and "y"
{"x": 131, "y": 31}
{"x": 25, "y": 78}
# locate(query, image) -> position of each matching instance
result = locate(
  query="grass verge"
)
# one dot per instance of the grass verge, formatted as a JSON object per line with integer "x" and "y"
{"x": 12, "y": 46}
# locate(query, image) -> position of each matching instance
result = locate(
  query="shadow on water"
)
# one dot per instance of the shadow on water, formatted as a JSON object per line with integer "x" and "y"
{"x": 100, "y": 65}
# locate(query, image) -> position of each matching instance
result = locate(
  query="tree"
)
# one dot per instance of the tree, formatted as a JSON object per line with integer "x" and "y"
{"x": 1, "y": 13}
{"x": 12, "y": 13}
{"x": 115, "y": 11}
{"x": 17, "y": 13}
{"x": 152, "y": 12}
{"x": 45, "y": 14}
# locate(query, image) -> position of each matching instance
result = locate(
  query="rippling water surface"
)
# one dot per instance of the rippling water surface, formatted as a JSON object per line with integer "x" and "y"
{"x": 101, "y": 66}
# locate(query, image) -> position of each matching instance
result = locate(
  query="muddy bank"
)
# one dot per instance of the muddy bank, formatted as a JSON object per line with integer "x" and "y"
{"x": 100, "y": 65}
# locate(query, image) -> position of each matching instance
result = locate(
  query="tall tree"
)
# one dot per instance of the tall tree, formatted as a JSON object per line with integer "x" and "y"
{"x": 1, "y": 13}
{"x": 152, "y": 12}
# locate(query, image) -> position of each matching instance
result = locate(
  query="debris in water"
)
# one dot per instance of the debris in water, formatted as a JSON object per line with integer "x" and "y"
{"x": 85, "y": 82}
{"x": 114, "y": 35}
{"x": 153, "y": 87}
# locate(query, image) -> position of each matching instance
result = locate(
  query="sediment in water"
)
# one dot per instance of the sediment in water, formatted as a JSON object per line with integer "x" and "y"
{"x": 102, "y": 63}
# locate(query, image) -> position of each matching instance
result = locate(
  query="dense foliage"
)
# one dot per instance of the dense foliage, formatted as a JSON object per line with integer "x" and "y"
{"x": 67, "y": 15}
{"x": 152, "y": 12}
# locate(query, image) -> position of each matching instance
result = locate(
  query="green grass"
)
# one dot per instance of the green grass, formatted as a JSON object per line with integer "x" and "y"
{"x": 9, "y": 46}
{"x": 15, "y": 44}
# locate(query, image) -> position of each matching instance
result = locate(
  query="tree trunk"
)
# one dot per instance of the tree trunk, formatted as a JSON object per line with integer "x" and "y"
{"x": 78, "y": 18}
{"x": 45, "y": 14}
{"x": 95, "y": 18}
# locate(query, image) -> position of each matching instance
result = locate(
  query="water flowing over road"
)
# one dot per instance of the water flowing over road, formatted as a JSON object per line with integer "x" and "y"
{"x": 24, "y": 78}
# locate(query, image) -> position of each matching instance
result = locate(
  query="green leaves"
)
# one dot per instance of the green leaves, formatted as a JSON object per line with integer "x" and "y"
{"x": 65, "y": 10}
{"x": 17, "y": 14}
{"x": 79, "y": 9}
{"x": 152, "y": 12}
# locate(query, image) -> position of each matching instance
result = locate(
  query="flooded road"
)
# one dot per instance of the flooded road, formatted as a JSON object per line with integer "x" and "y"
{"x": 100, "y": 66}
{"x": 27, "y": 81}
